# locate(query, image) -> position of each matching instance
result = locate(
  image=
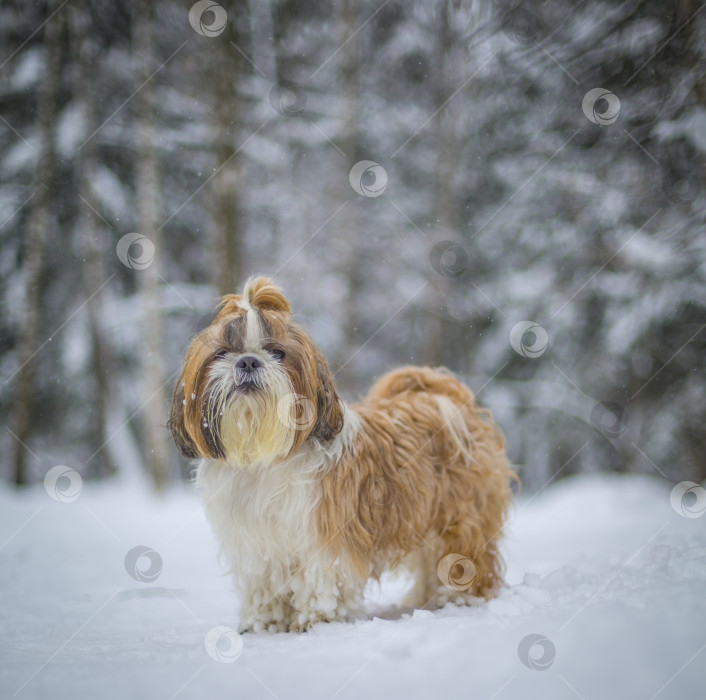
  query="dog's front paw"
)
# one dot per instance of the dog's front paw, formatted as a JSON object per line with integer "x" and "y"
{"x": 307, "y": 616}
{"x": 263, "y": 615}
{"x": 260, "y": 626}
{"x": 295, "y": 620}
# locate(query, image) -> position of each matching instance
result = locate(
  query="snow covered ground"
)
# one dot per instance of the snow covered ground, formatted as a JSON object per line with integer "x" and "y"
{"x": 601, "y": 569}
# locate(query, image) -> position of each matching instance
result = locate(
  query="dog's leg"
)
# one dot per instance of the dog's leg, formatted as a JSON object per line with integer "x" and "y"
{"x": 280, "y": 602}
{"x": 323, "y": 592}
{"x": 469, "y": 566}
{"x": 265, "y": 600}
{"x": 421, "y": 564}
{"x": 438, "y": 581}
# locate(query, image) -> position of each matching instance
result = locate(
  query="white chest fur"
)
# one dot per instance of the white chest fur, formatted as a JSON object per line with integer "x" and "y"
{"x": 264, "y": 515}
{"x": 260, "y": 515}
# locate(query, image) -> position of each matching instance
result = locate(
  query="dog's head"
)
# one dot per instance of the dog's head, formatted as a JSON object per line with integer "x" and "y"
{"x": 253, "y": 386}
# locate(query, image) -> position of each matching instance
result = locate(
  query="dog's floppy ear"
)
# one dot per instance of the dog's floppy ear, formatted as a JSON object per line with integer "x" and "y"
{"x": 329, "y": 410}
{"x": 311, "y": 379}
{"x": 176, "y": 421}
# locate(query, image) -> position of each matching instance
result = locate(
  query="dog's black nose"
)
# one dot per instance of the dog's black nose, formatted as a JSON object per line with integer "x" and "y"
{"x": 248, "y": 363}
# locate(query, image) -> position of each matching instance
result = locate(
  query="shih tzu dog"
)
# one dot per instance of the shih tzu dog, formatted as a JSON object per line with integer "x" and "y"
{"x": 310, "y": 497}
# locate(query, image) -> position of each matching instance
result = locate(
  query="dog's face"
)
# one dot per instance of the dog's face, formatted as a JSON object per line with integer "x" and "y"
{"x": 253, "y": 386}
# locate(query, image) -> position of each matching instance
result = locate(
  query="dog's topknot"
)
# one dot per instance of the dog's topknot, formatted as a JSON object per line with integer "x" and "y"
{"x": 259, "y": 293}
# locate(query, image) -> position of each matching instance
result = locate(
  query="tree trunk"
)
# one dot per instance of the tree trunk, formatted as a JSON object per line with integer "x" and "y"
{"x": 694, "y": 447}
{"x": 154, "y": 416}
{"x": 91, "y": 233}
{"x": 38, "y": 224}
{"x": 346, "y": 221}
{"x": 439, "y": 351}
{"x": 227, "y": 239}
{"x": 225, "y": 68}
{"x": 262, "y": 33}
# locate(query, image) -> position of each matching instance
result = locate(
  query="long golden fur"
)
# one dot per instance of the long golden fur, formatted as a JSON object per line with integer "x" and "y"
{"x": 414, "y": 474}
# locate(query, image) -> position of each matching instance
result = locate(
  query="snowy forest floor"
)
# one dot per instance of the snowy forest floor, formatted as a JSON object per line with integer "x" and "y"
{"x": 602, "y": 566}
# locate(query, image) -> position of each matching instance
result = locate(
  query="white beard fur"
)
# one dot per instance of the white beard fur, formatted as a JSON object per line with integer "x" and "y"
{"x": 257, "y": 427}
{"x": 264, "y": 518}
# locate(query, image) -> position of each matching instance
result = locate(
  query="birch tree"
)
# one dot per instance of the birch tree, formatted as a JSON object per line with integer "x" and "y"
{"x": 147, "y": 190}
{"x": 39, "y": 224}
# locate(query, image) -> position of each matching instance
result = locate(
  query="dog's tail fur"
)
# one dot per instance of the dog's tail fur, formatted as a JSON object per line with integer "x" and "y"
{"x": 455, "y": 401}
{"x": 419, "y": 379}
{"x": 440, "y": 383}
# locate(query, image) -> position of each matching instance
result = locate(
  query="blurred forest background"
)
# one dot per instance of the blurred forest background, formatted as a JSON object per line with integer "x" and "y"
{"x": 499, "y": 193}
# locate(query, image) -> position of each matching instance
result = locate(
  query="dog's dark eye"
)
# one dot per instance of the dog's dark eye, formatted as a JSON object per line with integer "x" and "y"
{"x": 220, "y": 354}
{"x": 277, "y": 354}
